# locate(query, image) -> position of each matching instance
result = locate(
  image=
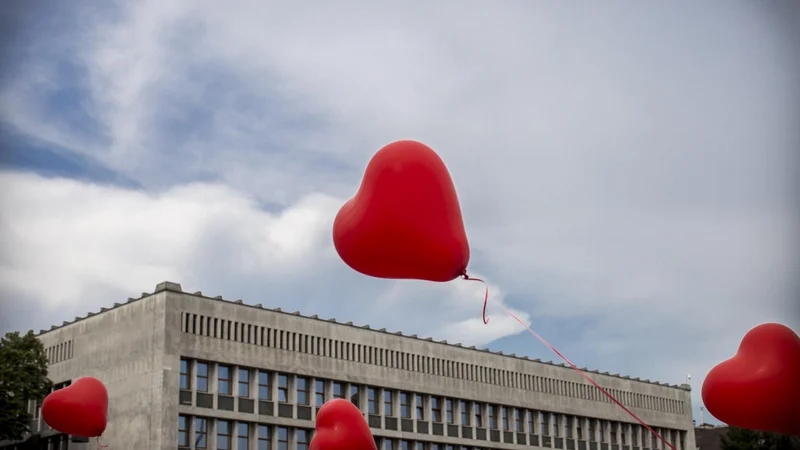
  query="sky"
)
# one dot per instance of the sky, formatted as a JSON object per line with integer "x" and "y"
{"x": 627, "y": 170}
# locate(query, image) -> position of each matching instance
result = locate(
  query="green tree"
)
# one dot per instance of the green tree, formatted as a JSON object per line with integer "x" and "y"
{"x": 23, "y": 376}
{"x": 743, "y": 439}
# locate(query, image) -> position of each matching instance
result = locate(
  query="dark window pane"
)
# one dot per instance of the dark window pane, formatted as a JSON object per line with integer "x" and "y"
{"x": 302, "y": 390}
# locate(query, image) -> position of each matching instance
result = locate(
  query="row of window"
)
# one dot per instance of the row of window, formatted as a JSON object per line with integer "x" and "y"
{"x": 307, "y": 391}
{"x": 59, "y": 352}
{"x": 196, "y": 433}
{"x": 226, "y": 433}
{"x": 293, "y": 341}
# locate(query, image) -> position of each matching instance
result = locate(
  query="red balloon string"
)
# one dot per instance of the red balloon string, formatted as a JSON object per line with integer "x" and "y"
{"x": 536, "y": 335}
{"x": 485, "y": 294}
{"x": 99, "y": 445}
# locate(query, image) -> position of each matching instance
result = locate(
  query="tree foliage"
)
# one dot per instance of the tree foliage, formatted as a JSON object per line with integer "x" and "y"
{"x": 23, "y": 376}
{"x": 743, "y": 439}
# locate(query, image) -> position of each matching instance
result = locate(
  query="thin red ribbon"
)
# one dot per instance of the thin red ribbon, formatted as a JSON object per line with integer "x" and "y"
{"x": 536, "y": 335}
{"x": 485, "y": 294}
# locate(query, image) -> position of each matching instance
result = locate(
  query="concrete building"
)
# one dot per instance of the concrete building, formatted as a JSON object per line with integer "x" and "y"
{"x": 189, "y": 371}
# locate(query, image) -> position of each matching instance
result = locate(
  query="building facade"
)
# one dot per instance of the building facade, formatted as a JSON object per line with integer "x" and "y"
{"x": 186, "y": 371}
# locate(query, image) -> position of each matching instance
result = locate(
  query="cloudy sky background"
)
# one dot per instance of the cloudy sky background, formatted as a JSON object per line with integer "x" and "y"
{"x": 626, "y": 169}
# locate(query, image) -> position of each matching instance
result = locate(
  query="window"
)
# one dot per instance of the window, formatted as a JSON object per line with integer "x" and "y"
{"x": 185, "y": 380}
{"x": 623, "y": 437}
{"x": 283, "y": 388}
{"x": 354, "y": 398}
{"x": 264, "y": 386}
{"x": 404, "y": 445}
{"x": 242, "y": 435}
{"x": 302, "y": 439}
{"x": 420, "y": 446}
{"x": 504, "y": 413}
{"x": 613, "y": 432}
{"x": 531, "y": 428}
{"x": 183, "y": 432}
{"x": 556, "y": 430}
{"x": 518, "y": 420}
{"x": 319, "y": 392}
{"x": 579, "y": 427}
{"x": 420, "y": 407}
{"x": 202, "y": 377}
{"x": 568, "y": 428}
{"x": 223, "y": 435}
{"x": 592, "y": 428}
{"x": 224, "y": 380}
{"x": 283, "y": 438}
{"x": 602, "y": 427}
{"x": 388, "y": 444}
{"x": 436, "y": 409}
{"x": 244, "y": 382}
{"x": 544, "y": 419}
{"x": 200, "y": 432}
{"x": 405, "y": 408}
{"x": 387, "y": 403}
{"x": 301, "y": 387}
{"x": 477, "y": 407}
{"x": 372, "y": 401}
{"x": 464, "y": 409}
{"x": 338, "y": 390}
{"x": 492, "y": 418}
{"x": 264, "y": 437}
{"x": 448, "y": 405}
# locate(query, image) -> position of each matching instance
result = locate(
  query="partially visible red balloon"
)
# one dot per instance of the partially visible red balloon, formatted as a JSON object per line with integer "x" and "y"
{"x": 405, "y": 220}
{"x": 340, "y": 426}
{"x": 79, "y": 409}
{"x": 759, "y": 388}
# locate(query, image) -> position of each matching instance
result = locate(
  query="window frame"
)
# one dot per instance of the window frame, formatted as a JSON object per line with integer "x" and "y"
{"x": 267, "y": 386}
{"x": 185, "y": 381}
{"x": 388, "y": 403}
{"x": 449, "y": 411}
{"x": 261, "y": 438}
{"x": 183, "y": 431}
{"x": 301, "y": 390}
{"x": 226, "y": 380}
{"x": 405, "y": 405}
{"x": 355, "y": 395}
{"x": 302, "y": 445}
{"x": 319, "y": 394}
{"x": 372, "y": 401}
{"x": 436, "y": 409}
{"x": 200, "y": 432}
{"x": 285, "y": 442}
{"x": 239, "y": 435}
{"x": 283, "y": 388}
{"x": 199, "y": 376}
{"x": 340, "y": 385}
{"x": 240, "y": 383}
{"x": 228, "y": 436}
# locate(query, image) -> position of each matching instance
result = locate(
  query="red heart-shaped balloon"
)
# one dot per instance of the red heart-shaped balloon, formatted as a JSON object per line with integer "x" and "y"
{"x": 405, "y": 220}
{"x": 79, "y": 409}
{"x": 340, "y": 426}
{"x": 759, "y": 388}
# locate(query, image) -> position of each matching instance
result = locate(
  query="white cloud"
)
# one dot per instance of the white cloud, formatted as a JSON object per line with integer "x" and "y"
{"x": 79, "y": 237}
